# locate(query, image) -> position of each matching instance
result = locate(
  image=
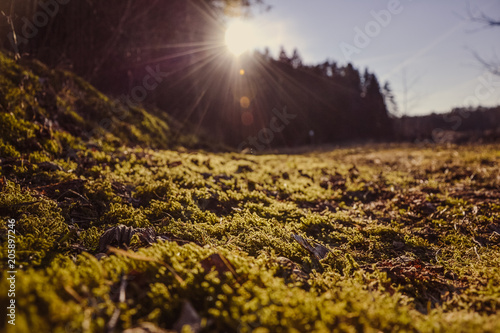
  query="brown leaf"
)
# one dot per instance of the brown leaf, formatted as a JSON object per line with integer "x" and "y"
{"x": 50, "y": 166}
{"x": 398, "y": 245}
{"x": 174, "y": 164}
{"x": 122, "y": 235}
{"x": 218, "y": 262}
{"x": 319, "y": 251}
{"x": 115, "y": 236}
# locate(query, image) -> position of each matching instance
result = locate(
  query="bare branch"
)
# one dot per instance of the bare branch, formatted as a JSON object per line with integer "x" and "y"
{"x": 10, "y": 21}
{"x": 481, "y": 17}
{"x": 493, "y": 67}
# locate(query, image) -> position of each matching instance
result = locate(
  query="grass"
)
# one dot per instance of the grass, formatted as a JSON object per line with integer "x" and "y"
{"x": 388, "y": 238}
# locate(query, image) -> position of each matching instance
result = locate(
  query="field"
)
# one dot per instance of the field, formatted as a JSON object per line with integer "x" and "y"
{"x": 370, "y": 238}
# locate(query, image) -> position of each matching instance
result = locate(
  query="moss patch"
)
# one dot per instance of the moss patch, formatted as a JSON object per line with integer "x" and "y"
{"x": 396, "y": 239}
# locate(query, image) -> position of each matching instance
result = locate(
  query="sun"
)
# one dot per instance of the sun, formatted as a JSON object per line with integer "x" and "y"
{"x": 240, "y": 37}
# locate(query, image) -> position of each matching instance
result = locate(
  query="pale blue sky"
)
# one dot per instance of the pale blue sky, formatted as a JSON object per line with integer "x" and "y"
{"x": 429, "y": 42}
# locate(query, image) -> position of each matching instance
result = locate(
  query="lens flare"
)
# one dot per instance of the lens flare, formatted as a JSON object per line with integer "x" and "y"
{"x": 245, "y": 102}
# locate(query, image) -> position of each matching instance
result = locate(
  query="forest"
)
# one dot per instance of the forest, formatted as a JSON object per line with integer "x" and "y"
{"x": 110, "y": 50}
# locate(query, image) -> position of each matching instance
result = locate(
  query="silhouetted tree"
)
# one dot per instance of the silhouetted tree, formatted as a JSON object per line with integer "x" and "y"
{"x": 380, "y": 126}
{"x": 296, "y": 60}
{"x": 283, "y": 58}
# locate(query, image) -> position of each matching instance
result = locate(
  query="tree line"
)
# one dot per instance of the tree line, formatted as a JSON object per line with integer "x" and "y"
{"x": 460, "y": 125}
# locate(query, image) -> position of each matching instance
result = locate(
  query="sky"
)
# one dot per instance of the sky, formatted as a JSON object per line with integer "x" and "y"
{"x": 423, "y": 48}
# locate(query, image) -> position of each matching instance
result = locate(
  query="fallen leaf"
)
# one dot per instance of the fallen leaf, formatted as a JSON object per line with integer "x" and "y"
{"x": 319, "y": 251}
{"x": 122, "y": 235}
{"x": 220, "y": 263}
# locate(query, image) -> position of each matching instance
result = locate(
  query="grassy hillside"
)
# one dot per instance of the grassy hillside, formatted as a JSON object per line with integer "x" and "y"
{"x": 56, "y": 113}
{"x": 117, "y": 234}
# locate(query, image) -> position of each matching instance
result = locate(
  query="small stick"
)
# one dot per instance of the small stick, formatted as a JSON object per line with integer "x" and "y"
{"x": 477, "y": 254}
{"x": 121, "y": 299}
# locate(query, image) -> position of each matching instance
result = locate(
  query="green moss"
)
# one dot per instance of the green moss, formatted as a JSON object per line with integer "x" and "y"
{"x": 411, "y": 236}
{"x": 31, "y": 91}
{"x": 198, "y": 203}
{"x": 8, "y": 151}
{"x": 17, "y": 132}
{"x": 124, "y": 214}
{"x": 39, "y": 224}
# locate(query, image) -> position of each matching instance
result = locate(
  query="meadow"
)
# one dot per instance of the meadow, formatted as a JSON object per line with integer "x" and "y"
{"x": 115, "y": 232}
{"x": 366, "y": 238}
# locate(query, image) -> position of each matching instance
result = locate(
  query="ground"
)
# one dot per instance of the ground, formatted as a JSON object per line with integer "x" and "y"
{"x": 367, "y": 238}
{"x": 125, "y": 225}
